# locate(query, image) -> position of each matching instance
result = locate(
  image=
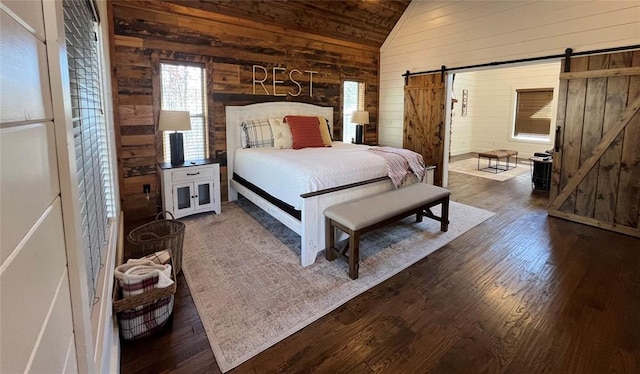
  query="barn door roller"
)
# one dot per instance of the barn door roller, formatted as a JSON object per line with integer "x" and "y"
{"x": 567, "y": 59}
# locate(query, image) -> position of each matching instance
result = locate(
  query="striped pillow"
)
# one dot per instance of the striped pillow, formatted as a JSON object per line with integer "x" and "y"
{"x": 305, "y": 132}
{"x": 257, "y": 134}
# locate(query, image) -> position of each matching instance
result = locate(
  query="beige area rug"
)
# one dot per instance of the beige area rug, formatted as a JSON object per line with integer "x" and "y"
{"x": 470, "y": 166}
{"x": 243, "y": 270}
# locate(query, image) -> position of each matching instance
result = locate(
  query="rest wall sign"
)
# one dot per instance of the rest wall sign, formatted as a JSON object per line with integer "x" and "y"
{"x": 277, "y": 76}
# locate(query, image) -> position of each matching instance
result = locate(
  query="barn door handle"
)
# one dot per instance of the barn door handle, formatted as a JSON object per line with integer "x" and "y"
{"x": 556, "y": 146}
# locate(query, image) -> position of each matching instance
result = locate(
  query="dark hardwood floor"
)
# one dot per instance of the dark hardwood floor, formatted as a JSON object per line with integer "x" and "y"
{"x": 520, "y": 293}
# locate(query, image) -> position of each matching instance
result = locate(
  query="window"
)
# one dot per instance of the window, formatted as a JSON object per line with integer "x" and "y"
{"x": 533, "y": 112}
{"x": 352, "y": 100}
{"x": 95, "y": 188}
{"x": 183, "y": 88}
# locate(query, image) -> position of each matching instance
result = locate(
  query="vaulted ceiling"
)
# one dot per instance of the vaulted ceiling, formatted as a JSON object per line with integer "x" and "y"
{"x": 367, "y": 22}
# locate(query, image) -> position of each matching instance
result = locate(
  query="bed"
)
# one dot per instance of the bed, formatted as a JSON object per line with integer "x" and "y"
{"x": 293, "y": 195}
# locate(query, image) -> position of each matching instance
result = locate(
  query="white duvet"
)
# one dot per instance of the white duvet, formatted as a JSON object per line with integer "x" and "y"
{"x": 288, "y": 173}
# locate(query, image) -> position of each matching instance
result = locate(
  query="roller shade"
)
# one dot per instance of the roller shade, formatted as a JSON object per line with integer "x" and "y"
{"x": 533, "y": 112}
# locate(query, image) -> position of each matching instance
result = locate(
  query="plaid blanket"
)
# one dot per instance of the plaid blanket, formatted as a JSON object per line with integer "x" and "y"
{"x": 138, "y": 276}
{"x": 400, "y": 163}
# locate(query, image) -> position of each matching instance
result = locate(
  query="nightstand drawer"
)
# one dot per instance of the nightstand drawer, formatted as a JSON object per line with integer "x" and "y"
{"x": 191, "y": 173}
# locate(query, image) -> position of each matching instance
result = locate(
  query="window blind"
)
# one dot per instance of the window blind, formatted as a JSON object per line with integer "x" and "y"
{"x": 352, "y": 100}
{"x": 89, "y": 133}
{"x": 533, "y": 112}
{"x": 183, "y": 88}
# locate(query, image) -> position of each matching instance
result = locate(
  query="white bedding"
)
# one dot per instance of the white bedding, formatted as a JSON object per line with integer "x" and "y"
{"x": 287, "y": 173}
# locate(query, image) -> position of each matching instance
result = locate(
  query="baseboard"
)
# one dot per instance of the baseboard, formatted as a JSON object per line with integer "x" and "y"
{"x": 459, "y": 152}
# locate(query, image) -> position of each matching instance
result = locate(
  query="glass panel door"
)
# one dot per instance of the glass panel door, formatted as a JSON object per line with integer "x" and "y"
{"x": 204, "y": 193}
{"x": 183, "y": 197}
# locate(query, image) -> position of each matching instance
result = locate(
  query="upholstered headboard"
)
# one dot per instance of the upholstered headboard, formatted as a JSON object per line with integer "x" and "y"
{"x": 235, "y": 115}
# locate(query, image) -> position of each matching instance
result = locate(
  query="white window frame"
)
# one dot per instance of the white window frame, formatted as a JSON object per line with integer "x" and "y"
{"x": 96, "y": 340}
{"x": 348, "y": 128}
{"x": 542, "y": 139}
{"x": 189, "y": 136}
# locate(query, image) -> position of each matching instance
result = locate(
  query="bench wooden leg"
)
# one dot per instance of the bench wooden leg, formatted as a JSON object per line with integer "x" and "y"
{"x": 329, "y": 240}
{"x": 444, "y": 216}
{"x": 354, "y": 254}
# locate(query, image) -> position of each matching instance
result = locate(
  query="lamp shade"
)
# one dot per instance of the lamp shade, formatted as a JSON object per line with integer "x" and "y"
{"x": 360, "y": 116}
{"x": 172, "y": 120}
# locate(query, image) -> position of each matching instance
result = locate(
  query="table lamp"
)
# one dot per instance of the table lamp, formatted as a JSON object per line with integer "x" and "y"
{"x": 171, "y": 120}
{"x": 360, "y": 118}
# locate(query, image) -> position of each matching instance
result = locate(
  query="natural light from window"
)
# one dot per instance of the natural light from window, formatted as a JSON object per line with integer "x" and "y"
{"x": 352, "y": 100}
{"x": 183, "y": 89}
{"x": 533, "y": 114}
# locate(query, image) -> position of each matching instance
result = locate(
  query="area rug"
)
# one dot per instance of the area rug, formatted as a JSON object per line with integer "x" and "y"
{"x": 469, "y": 166}
{"x": 243, "y": 270}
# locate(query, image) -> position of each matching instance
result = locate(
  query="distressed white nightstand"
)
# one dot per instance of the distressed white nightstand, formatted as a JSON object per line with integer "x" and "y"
{"x": 190, "y": 188}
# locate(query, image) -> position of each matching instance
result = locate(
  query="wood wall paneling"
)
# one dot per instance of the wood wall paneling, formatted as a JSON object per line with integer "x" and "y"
{"x": 363, "y": 22}
{"x": 147, "y": 33}
{"x": 135, "y": 115}
{"x": 26, "y": 149}
{"x": 35, "y": 273}
{"x": 24, "y": 75}
{"x": 51, "y": 355}
{"x": 71, "y": 363}
{"x": 30, "y": 14}
{"x": 454, "y": 34}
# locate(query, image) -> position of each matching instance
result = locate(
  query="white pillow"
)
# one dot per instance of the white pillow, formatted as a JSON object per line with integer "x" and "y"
{"x": 282, "y": 138}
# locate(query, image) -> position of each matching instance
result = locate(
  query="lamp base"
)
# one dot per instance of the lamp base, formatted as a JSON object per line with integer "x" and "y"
{"x": 177, "y": 149}
{"x": 359, "y": 134}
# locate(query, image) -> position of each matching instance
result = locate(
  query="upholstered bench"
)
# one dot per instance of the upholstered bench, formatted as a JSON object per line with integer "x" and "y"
{"x": 355, "y": 217}
{"x": 497, "y": 155}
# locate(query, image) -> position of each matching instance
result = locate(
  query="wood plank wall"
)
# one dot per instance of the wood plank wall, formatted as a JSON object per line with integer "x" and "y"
{"x": 146, "y": 33}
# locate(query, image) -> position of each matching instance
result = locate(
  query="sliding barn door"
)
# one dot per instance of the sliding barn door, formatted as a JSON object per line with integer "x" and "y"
{"x": 596, "y": 169}
{"x": 424, "y": 100}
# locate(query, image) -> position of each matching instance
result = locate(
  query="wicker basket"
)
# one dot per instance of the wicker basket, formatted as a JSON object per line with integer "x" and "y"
{"x": 159, "y": 235}
{"x": 142, "y": 315}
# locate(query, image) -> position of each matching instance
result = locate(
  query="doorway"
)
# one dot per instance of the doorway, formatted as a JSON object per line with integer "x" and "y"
{"x": 485, "y": 115}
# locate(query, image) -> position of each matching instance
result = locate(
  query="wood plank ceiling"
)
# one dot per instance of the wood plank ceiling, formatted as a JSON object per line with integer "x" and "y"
{"x": 367, "y": 22}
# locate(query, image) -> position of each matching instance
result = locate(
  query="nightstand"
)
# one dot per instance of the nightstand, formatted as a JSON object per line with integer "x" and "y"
{"x": 190, "y": 188}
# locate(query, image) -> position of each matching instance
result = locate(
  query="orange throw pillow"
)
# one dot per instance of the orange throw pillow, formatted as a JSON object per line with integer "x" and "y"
{"x": 305, "y": 131}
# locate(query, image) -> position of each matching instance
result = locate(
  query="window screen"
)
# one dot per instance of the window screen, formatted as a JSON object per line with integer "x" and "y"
{"x": 89, "y": 133}
{"x": 183, "y": 89}
{"x": 533, "y": 112}
{"x": 352, "y": 100}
